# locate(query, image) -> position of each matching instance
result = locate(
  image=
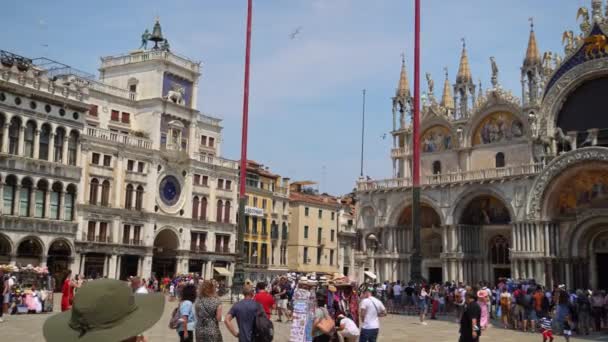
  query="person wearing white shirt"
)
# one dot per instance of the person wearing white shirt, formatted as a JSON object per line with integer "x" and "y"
{"x": 370, "y": 309}
{"x": 138, "y": 286}
{"x": 347, "y": 329}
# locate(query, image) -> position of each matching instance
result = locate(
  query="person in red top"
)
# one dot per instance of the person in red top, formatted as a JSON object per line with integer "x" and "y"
{"x": 264, "y": 298}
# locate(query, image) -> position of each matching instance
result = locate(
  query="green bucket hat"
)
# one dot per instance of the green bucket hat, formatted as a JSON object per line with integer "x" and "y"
{"x": 105, "y": 310}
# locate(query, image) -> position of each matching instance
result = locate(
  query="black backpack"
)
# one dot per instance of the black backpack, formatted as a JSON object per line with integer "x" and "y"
{"x": 263, "y": 330}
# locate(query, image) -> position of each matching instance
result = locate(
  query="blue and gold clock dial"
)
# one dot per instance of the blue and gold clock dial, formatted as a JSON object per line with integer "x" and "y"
{"x": 169, "y": 190}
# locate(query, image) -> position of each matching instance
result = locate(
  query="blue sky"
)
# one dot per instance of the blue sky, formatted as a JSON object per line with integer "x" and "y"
{"x": 305, "y": 105}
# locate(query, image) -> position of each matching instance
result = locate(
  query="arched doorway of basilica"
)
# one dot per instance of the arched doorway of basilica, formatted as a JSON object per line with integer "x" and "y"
{"x": 5, "y": 249}
{"x": 599, "y": 253}
{"x": 58, "y": 261}
{"x": 498, "y": 251}
{"x": 29, "y": 252}
{"x": 430, "y": 238}
{"x": 164, "y": 260}
{"x": 482, "y": 232}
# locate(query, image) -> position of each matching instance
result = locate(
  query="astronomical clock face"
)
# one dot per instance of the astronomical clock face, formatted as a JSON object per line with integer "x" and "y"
{"x": 169, "y": 190}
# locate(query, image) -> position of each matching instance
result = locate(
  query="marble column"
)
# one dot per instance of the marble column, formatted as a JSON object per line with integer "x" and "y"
{"x": 62, "y": 205}
{"x": 37, "y": 144}
{"x": 52, "y": 147}
{"x": 454, "y": 239}
{"x": 118, "y": 266}
{"x": 78, "y": 152}
{"x": 32, "y": 207}
{"x": 105, "y": 265}
{"x": 112, "y": 266}
{"x": 20, "y": 147}
{"x": 445, "y": 272}
{"x": 47, "y": 203}
{"x": 1, "y": 196}
{"x": 460, "y": 270}
{"x": 5, "y": 136}
{"x": 75, "y": 265}
{"x": 546, "y": 240}
{"x": 16, "y": 201}
{"x": 83, "y": 261}
{"x": 64, "y": 151}
{"x": 147, "y": 265}
{"x": 43, "y": 261}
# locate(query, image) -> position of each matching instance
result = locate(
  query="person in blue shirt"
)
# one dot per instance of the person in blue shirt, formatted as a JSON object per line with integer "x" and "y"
{"x": 185, "y": 330}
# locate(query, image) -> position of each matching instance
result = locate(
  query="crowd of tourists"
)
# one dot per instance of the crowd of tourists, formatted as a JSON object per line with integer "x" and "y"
{"x": 512, "y": 304}
{"x": 333, "y": 308}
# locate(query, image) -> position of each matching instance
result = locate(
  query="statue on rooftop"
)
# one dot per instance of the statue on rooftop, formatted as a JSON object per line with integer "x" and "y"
{"x": 144, "y": 39}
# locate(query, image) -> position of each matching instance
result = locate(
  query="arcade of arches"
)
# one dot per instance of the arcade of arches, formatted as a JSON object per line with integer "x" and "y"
{"x": 477, "y": 248}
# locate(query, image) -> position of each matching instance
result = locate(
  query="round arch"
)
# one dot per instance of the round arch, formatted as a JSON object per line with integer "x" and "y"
{"x": 6, "y": 249}
{"x": 468, "y": 197}
{"x": 497, "y": 104}
{"x": 583, "y": 246}
{"x": 536, "y": 204}
{"x": 567, "y": 83}
{"x": 30, "y": 250}
{"x": 166, "y": 245}
{"x": 397, "y": 212}
{"x": 59, "y": 259}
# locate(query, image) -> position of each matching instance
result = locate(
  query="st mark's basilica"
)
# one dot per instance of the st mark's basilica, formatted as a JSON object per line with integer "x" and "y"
{"x": 511, "y": 187}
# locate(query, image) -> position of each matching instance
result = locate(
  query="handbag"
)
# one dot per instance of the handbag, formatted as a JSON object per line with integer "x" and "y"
{"x": 326, "y": 325}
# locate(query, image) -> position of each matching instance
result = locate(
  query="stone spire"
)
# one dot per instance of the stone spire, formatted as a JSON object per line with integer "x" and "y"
{"x": 447, "y": 100}
{"x": 402, "y": 100}
{"x": 531, "y": 72}
{"x": 464, "y": 70}
{"x": 403, "y": 89}
{"x": 532, "y": 55}
{"x": 464, "y": 89}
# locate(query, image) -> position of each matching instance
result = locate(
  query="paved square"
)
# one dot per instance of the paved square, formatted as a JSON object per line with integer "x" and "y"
{"x": 393, "y": 328}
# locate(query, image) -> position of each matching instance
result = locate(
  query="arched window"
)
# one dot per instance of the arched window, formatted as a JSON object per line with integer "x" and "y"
{"x": 195, "y": 208}
{"x": 43, "y": 145}
{"x": 55, "y": 201}
{"x": 72, "y": 147}
{"x": 129, "y": 197}
{"x": 139, "y": 197}
{"x": 220, "y": 211}
{"x": 227, "y": 212}
{"x": 70, "y": 196}
{"x": 500, "y": 159}
{"x": 93, "y": 191}
{"x": 436, "y": 167}
{"x": 13, "y": 135}
{"x": 10, "y": 187}
{"x": 24, "y": 197}
{"x": 40, "y": 198}
{"x": 59, "y": 137}
{"x": 284, "y": 231}
{"x": 30, "y": 132}
{"x": 105, "y": 193}
{"x": 204, "y": 209}
{"x": 499, "y": 250}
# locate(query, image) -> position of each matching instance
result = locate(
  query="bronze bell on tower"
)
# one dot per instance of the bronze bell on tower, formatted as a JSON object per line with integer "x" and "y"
{"x": 157, "y": 34}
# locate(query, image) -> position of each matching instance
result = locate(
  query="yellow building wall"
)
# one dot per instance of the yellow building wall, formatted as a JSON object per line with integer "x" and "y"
{"x": 298, "y": 242}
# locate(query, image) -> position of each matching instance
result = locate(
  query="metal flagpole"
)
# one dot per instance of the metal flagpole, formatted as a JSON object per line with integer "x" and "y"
{"x": 416, "y": 264}
{"x": 239, "y": 273}
{"x": 362, "y": 132}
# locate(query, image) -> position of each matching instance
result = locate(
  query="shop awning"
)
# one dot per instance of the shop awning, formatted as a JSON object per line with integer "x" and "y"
{"x": 370, "y": 275}
{"x": 222, "y": 271}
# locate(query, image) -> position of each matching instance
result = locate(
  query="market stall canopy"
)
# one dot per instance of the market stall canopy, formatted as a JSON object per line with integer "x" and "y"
{"x": 222, "y": 271}
{"x": 370, "y": 275}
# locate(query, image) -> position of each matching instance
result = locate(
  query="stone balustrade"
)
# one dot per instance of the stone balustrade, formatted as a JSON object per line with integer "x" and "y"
{"x": 119, "y": 138}
{"x": 452, "y": 177}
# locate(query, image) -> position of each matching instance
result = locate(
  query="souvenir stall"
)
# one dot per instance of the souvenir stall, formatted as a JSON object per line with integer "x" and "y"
{"x": 31, "y": 291}
{"x": 304, "y": 306}
{"x": 343, "y": 298}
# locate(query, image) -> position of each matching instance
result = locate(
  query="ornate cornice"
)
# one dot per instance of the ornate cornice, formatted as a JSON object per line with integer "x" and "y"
{"x": 554, "y": 169}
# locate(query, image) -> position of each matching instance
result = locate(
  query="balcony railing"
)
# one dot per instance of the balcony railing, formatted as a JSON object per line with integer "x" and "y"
{"x": 118, "y": 138}
{"x": 398, "y": 152}
{"x": 132, "y": 242}
{"x": 223, "y": 250}
{"x": 453, "y": 177}
{"x": 198, "y": 249}
{"x": 97, "y": 238}
{"x": 144, "y": 56}
{"x": 108, "y": 89}
{"x": 217, "y": 161}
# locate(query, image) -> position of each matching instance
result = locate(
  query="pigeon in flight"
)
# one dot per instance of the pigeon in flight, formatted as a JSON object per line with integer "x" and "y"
{"x": 293, "y": 35}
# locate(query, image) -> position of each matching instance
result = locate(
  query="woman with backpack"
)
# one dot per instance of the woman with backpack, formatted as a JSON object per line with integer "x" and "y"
{"x": 208, "y": 310}
{"x": 185, "y": 313}
{"x": 323, "y": 325}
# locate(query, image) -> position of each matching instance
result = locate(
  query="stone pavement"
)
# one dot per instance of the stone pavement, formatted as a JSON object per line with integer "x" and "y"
{"x": 393, "y": 328}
